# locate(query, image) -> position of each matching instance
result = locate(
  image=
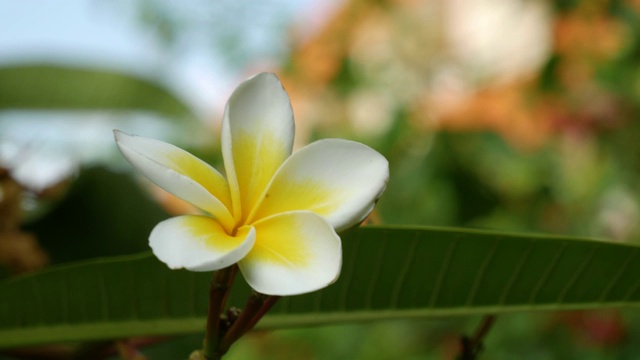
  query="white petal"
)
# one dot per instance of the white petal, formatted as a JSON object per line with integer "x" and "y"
{"x": 294, "y": 253}
{"x": 338, "y": 179}
{"x": 199, "y": 243}
{"x": 257, "y": 136}
{"x": 180, "y": 173}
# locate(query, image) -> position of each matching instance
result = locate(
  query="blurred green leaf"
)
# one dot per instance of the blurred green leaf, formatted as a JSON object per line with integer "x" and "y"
{"x": 57, "y": 87}
{"x": 387, "y": 273}
{"x": 107, "y": 207}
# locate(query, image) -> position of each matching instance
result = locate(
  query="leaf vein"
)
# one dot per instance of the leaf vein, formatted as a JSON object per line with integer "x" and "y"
{"x": 348, "y": 274}
{"x": 545, "y": 275}
{"x": 411, "y": 250}
{"x": 516, "y": 274}
{"x": 481, "y": 273}
{"x": 444, "y": 270}
{"x": 375, "y": 275}
{"x": 618, "y": 276}
{"x": 577, "y": 274}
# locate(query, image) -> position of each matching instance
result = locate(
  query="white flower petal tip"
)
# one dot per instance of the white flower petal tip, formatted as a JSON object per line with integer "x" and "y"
{"x": 340, "y": 180}
{"x": 295, "y": 253}
{"x": 179, "y": 173}
{"x": 257, "y": 137}
{"x": 199, "y": 243}
{"x": 260, "y": 101}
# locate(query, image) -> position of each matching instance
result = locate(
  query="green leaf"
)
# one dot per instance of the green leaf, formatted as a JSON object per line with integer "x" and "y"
{"x": 107, "y": 207}
{"x": 56, "y": 87}
{"x": 387, "y": 273}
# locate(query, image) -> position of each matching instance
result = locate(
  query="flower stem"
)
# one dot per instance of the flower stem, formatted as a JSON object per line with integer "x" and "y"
{"x": 471, "y": 347}
{"x": 267, "y": 304}
{"x": 218, "y": 295}
{"x": 483, "y": 330}
{"x": 257, "y": 305}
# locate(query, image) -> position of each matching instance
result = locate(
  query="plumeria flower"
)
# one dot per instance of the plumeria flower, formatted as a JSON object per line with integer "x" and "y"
{"x": 275, "y": 213}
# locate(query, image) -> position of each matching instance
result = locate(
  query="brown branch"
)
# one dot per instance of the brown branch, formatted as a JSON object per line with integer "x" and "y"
{"x": 218, "y": 295}
{"x": 471, "y": 347}
{"x": 257, "y": 305}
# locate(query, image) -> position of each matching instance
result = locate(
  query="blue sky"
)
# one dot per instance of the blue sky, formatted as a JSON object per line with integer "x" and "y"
{"x": 74, "y": 31}
{"x": 110, "y": 34}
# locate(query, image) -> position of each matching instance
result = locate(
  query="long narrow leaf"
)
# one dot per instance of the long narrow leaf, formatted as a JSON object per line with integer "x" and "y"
{"x": 49, "y": 87}
{"x": 387, "y": 273}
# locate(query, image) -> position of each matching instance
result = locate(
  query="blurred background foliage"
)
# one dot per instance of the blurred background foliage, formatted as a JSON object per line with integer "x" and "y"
{"x": 512, "y": 115}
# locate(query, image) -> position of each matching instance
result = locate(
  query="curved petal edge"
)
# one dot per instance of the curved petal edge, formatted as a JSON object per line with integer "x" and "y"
{"x": 199, "y": 243}
{"x": 295, "y": 253}
{"x": 340, "y": 180}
